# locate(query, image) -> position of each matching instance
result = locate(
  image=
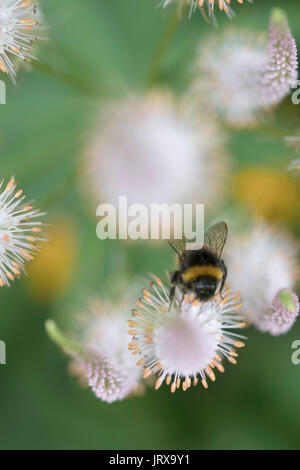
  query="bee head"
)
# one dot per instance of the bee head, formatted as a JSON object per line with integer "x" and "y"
{"x": 205, "y": 288}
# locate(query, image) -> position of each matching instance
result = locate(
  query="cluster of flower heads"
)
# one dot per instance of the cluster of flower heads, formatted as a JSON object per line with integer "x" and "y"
{"x": 240, "y": 74}
{"x": 101, "y": 358}
{"x": 205, "y": 5}
{"x": 19, "y": 232}
{"x": 188, "y": 341}
{"x": 262, "y": 263}
{"x": 165, "y": 147}
{"x": 18, "y": 21}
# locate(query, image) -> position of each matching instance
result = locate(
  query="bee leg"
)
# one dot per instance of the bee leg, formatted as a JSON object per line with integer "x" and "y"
{"x": 223, "y": 279}
{"x": 221, "y": 295}
{"x": 172, "y": 295}
{"x": 182, "y": 298}
{"x": 175, "y": 279}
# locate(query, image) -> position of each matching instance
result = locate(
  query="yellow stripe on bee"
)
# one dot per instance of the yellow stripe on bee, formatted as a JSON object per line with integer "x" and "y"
{"x": 196, "y": 271}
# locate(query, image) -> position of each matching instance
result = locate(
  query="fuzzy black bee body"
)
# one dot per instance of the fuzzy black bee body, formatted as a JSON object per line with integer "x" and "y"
{"x": 202, "y": 271}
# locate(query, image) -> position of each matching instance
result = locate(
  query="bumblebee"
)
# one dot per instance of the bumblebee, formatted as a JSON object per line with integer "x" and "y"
{"x": 202, "y": 271}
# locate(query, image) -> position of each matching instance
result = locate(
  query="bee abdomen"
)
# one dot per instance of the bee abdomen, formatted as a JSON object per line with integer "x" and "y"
{"x": 194, "y": 272}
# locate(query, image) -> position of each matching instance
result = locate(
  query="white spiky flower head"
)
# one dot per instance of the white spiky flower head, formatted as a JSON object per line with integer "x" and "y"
{"x": 19, "y": 232}
{"x": 263, "y": 262}
{"x": 19, "y": 20}
{"x": 188, "y": 341}
{"x": 152, "y": 150}
{"x": 101, "y": 355}
{"x": 209, "y": 6}
{"x": 240, "y": 74}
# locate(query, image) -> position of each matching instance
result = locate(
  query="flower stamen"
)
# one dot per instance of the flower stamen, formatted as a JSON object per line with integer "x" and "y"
{"x": 188, "y": 341}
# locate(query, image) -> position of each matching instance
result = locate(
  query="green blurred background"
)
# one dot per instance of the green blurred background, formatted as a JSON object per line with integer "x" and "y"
{"x": 98, "y": 49}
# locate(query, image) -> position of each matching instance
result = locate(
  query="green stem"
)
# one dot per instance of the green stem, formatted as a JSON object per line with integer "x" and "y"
{"x": 278, "y": 16}
{"x": 61, "y": 191}
{"x": 72, "y": 348}
{"x": 162, "y": 47}
{"x": 70, "y": 79}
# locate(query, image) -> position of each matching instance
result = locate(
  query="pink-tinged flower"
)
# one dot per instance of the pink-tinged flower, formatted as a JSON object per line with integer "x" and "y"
{"x": 208, "y": 6}
{"x": 101, "y": 356}
{"x": 18, "y": 21}
{"x": 19, "y": 232}
{"x": 263, "y": 264}
{"x": 104, "y": 376}
{"x": 240, "y": 75}
{"x": 281, "y": 314}
{"x": 188, "y": 341}
{"x": 281, "y": 70}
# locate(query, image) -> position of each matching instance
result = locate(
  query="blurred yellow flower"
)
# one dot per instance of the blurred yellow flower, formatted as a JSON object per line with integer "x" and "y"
{"x": 270, "y": 193}
{"x": 50, "y": 274}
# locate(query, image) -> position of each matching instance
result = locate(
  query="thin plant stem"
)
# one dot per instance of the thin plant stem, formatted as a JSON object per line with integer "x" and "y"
{"x": 162, "y": 47}
{"x": 77, "y": 83}
{"x": 62, "y": 191}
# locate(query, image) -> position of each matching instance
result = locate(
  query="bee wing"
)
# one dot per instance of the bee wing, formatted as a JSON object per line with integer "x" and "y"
{"x": 215, "y": 237}
{"x": 178, "y": 246}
